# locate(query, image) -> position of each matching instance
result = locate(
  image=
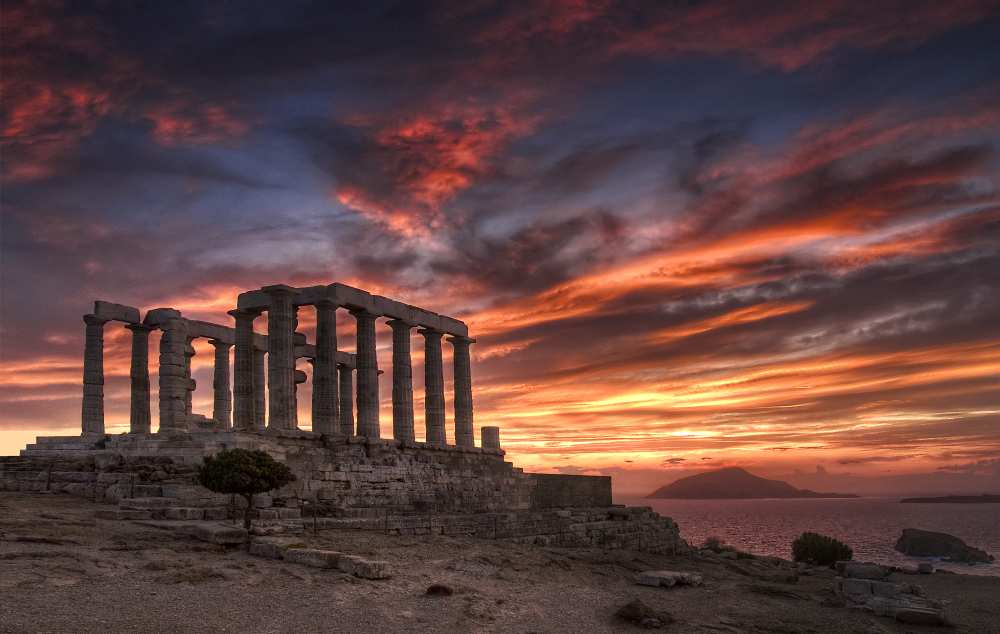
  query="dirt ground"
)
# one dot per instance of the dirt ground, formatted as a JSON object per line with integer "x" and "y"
{"x": 62, "y": 570}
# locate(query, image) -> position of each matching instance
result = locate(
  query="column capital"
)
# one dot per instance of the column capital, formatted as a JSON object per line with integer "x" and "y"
{"x": 457, "y": 340}
{"x": 220, "y": 344}
{"x": 94, "y": 320}
{"x": 360, "y": 313}
{"x": 400, "y": 323}
{"x": 431, "y": 333}
{"x": 326, "y": 302}
{"x": 245, "y": 312}
{"x": 140, "y": 327}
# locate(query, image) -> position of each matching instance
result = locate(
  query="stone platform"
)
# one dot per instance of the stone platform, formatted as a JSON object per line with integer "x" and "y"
{"x": 343, "y": 482}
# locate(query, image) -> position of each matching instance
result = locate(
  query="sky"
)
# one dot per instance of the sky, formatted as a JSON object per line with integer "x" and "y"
{"x": 686, "y": 235}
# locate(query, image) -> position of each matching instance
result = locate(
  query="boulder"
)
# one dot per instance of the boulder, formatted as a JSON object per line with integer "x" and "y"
{"x": 921, "y": 543}
{"x": 640, "y": 614}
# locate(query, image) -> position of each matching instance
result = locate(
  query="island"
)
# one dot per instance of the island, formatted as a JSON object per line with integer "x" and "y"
{"x": 955, "y": 499}
{"x": 734, "y": 483}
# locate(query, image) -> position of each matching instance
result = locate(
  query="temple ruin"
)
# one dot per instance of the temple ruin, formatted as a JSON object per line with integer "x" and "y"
{"x": 347, "y": 473}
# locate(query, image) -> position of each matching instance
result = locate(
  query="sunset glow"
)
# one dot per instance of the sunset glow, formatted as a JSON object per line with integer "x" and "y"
{"x": 777, "y": 247}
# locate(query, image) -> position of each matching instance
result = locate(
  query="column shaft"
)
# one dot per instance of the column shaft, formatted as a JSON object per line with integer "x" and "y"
{"x": 433, "y": 388}
{"x": 174, "y": 378}
{"x": 259, "y": 389}
{"x": 222, "y": 396}
{"x": 189, "y": 396}
{"x": 244, "y": 415}
{"x": 325, "y": 370}
{"x": 92, "y": 411}
{"x": 346, "y": 409}
{"x": 402, "y": 382}
{"x": 139, "y": 414}
{"x": 281, "y": 359}
{"x": 464, "y": 436}
{"x": 367, "y": 361}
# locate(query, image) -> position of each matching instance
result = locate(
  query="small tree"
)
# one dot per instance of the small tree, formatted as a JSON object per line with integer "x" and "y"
{"x": 820, "y": 549}
{"x": 245, "y": 473}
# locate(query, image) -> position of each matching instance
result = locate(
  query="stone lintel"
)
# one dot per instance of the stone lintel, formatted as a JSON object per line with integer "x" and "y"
{"x": 279, "y": 288}
{"x": 159, "y": 316}
{"x": 140, "y": 327}
{"x": 109, "y": 311}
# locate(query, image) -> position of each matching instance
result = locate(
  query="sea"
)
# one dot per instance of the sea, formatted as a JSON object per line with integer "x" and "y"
{"x": 870, "y": 526}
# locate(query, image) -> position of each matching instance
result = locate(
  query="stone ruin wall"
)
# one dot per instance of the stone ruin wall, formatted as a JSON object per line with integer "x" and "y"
{"x": 354, "y": 485}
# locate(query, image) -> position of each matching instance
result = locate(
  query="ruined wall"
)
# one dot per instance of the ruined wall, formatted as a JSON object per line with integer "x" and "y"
{"x": 554, "y": 490}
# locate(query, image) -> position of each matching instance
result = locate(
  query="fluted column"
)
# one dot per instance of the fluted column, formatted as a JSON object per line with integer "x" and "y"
{"x": 222, "y": 403}
{"x": 189, "y": 353}
{"x": 259, "y": 391}
{"x": 346, "y": 409}
{"x": 433, "y": 387}
{"x": 464, "y": 435}
{"x": 92, "y": 411}
{"x": 367, "y": 369}
{"x": 402, "y": 382}
{"x": 175, "y": 382}
{"x": 281, "y": 357}
{"x": 325, "y": 370}
{"x": 244, "y": 414}
{"x": 139, "y": 415}
{"x": 490, "y": 438}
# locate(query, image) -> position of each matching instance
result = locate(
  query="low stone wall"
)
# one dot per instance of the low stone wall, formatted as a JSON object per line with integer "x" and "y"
{"x": 617, "y": 527}
{"x": 554, "y": 490}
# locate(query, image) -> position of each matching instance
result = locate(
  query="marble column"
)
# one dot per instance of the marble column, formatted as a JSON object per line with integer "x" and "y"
{"x": 346, "y": 409}
{"x": 464, "y": 435}
{"x": 433, "y": 387}
{"x": 175, "y": 382}
{"x": 259, "y": 391}
{"x": 325, "y": 370}
{"x": 244, "y": 414}
{"x": 490, "y": 438}
{"x": 402, "y": 382}
{"x": 367, "y": 369}
{"x": 222, "y": 403}
{"x": 92, "y": 411}
{"x": 280, "y": 357}
{"x": 139, "y": 414}
{"x": 189, "y": 353}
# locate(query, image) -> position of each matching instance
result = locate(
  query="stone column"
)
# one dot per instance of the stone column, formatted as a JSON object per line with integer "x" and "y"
{"x": 139, "y": 415}
{"x": 175, "y": 382}
{"x": 464, "y": 435}
{"x": 402, "y": 382}
{"x": 189, "y": 353}
{"x": 490, "y": 438}
{"x": 259, "y": 391}
{"x": 281, "y": 357}
{"x": 92, "y": 414}
{"x": 325, "y": 370}
{"x": 433, "y": 387}
{"x": 346, "y": 409}
{"x": 222, "y": 404}
{"x": 367, "y": 362}
{"x": 244, "y": 415}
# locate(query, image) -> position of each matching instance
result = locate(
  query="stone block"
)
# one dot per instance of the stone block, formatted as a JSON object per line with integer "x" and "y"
{"x": 312, "y": 557}
{"x": 217, "y": 533}
{"x": 262, "y": 501}
{"x": 123, "y": 514}
{"x": 116, "y": 312}
{"x": 365, "y": 568}
{"x": 184, "y": 513}
{"x": 270, "y": 549}
{"x": 216, "y": 513}
{"x": 160, "y": 316}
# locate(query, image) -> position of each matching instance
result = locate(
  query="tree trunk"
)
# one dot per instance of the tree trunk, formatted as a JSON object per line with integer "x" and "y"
{"x": 248, "y": 513}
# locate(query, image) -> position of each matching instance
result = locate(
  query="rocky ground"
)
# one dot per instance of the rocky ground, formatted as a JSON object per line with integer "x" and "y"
{"x": 62, "y": 570}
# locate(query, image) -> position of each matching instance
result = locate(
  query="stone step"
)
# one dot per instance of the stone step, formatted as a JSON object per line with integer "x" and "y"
{"x": 123, "y": 514}
{"x": 148, "y": 503}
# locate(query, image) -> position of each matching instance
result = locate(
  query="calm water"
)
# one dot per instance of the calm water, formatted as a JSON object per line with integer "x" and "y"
{"x": 869, "y": 525}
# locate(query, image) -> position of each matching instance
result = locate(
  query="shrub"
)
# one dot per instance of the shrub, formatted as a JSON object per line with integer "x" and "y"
{"x": 244, "y": 473}
{"x": 714, "y": 543}
{"x": 820, "y": 550}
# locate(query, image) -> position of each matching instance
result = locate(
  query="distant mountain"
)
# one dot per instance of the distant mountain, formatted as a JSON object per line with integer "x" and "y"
{"x": 734, "y": 483}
